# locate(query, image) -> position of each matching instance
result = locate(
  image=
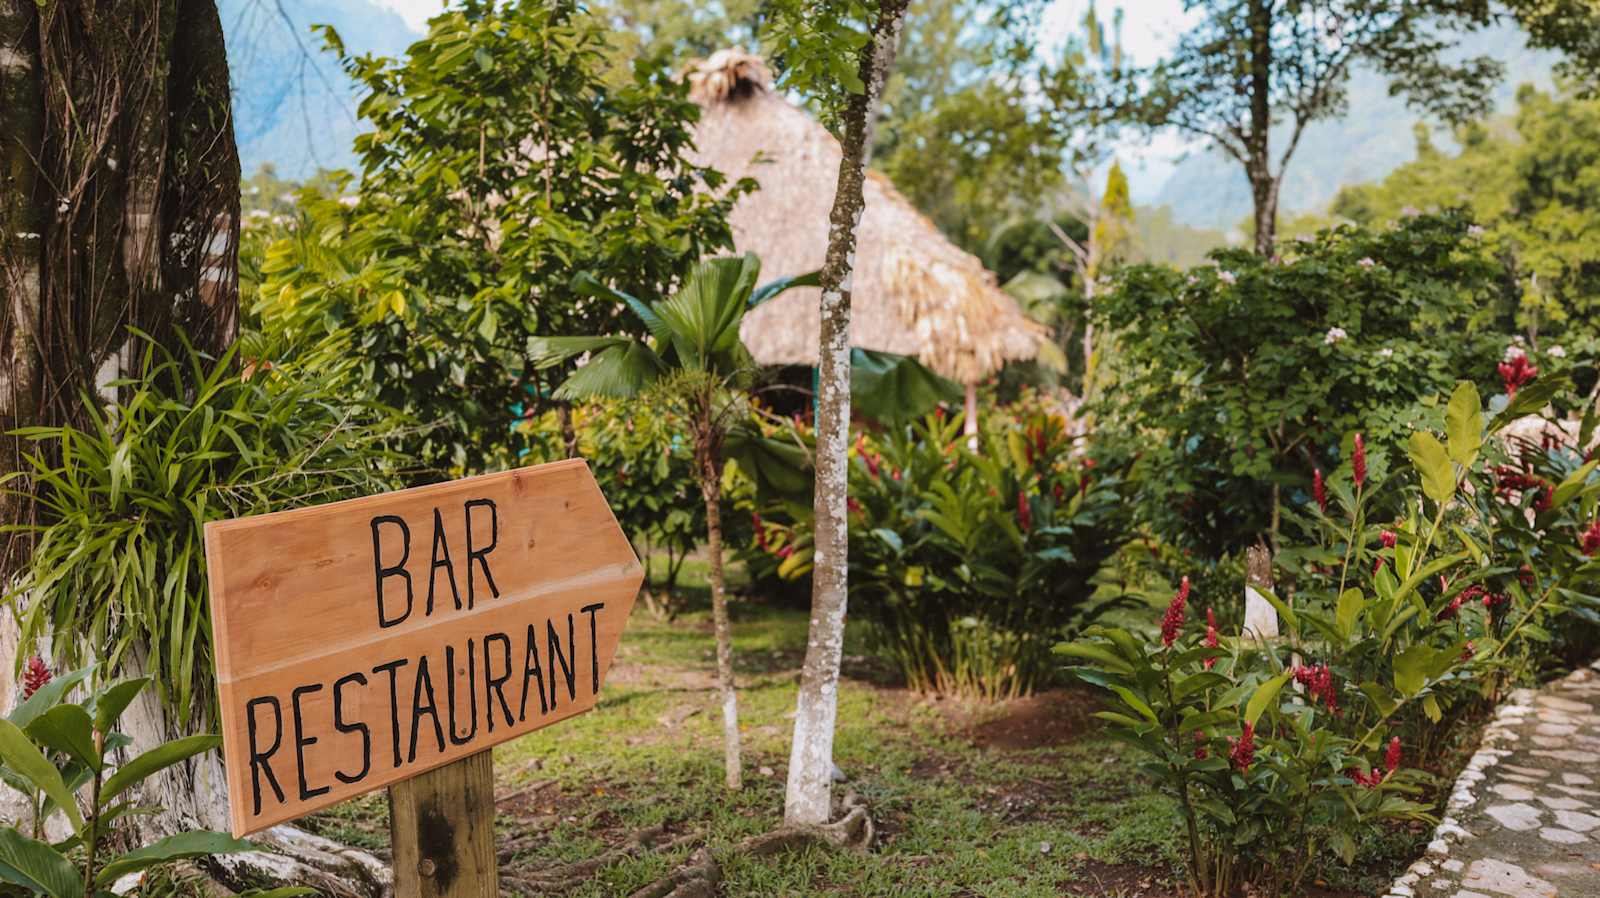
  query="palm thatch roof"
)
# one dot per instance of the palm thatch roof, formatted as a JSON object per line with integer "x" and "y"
{"x": 914, "y": 292}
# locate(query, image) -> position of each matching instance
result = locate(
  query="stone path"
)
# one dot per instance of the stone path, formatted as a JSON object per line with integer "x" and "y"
{"x": 1524, "y": 819}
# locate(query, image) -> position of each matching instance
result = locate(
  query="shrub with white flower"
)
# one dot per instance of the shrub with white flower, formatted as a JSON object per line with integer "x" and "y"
{"x": 1334, "y": 335}
{"x": 1557, "y": 352}
{"x": 1386, "y": 352}
{"x": 1367, "y": 263}
{"x": 1228, "y": 277}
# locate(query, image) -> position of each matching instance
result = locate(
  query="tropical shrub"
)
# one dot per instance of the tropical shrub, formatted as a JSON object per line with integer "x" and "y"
{"x": 53, "y": 749}
{"x": 118, "y": 558}
{"x": 1394, "y": 626}
{"x": 968, "y": 564}
{"x": 1227, "y": 385}
{"x": 644, "y": 466}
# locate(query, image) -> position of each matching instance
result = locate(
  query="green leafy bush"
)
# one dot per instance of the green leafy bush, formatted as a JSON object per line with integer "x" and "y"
{"x": 1230, "y": 384}
{"x": 119, "y": 557}
{"x": 50, "y": 750}
{"x": 1394, "y": 627}
{"x": 968, "y": 564}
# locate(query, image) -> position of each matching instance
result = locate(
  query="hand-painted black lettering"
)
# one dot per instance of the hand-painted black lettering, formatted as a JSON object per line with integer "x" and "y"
{"x": 358, "y": 727}
{"x": 531, "y": 671}
{"x": 594, "y": 645}
{"x": 568, "y": 667}
{"x": 424, "y": 680}
{"x": 441, "y": 559}
{"x": 258, "y": 758}
{"x": 301, "y": 742}
{"x": 398, "y": 569}
{"x": 472, "y": 691}
{"x": 394, "y": 701}
{"x": 481, "y": 555}
{"x": 493, "y": 685}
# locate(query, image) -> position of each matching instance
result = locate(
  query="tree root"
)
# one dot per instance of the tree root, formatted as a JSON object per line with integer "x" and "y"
{"x": 569, "y": 876}
{"x": 699, "y": 876}
{"x": 295, "y": 856}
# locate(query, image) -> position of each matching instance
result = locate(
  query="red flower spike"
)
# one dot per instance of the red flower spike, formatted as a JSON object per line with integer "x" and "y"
{"x": 1391, "y": 758}
{"x": 1358, "y": 462}
{"x": 1172, "y": 621}
{"x": 1024, "y": 513}
{"x": 1319, "y": 490}
{"x": 34, "y": 676}
{"x": 1211, "y": 636}
{"x": 1591, "y": 538}
{"x": 1244, "y": 748}
{"x": 1516, "y": 372}
{"x": 855, "y": 507}
{"x": 1387, "y": 539}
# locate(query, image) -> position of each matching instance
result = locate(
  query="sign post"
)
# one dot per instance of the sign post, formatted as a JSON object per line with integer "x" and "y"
{"x": 393, "y": 640}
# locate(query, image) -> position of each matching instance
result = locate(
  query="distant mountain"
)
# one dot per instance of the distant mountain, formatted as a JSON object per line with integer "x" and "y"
{"x": 292, "y": 105}
{"x": 1209, "y": 190}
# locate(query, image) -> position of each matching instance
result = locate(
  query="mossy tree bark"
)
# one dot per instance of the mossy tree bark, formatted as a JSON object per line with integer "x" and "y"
{"x": 809, "y": 794}
{"x": 119, "y": 209}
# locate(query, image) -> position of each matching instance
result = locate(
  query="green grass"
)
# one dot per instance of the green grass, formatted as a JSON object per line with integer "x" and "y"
{"x": 1071, "y": 817}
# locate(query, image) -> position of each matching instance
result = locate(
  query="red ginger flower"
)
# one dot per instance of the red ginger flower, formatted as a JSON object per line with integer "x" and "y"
{"x": 761, "y": 532}
{"x": 854, "y": 506}
{"x": 1450, "y": 611}
{"x": 1516, "y": 372}
{"x": 1319, "y": 490}
{"x": 1387, "y": 539}
{"x": 1369, "y": 779}
{"x": 1244, "y": 748}
{"x": 1358, "y": 462}
{"x": 1211, "y": 636}
{"x": 1172, "y": 621}
{"x": 34, "y": 676}
{"x": 1391, "y": 757}
{"x": 1200, "y": 745}
{"x": 1024, "y": 513}
{"x": 1591, "y": 538}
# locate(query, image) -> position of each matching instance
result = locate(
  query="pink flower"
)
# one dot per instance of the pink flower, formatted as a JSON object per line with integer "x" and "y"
{"x": 1172, "y": 621}
{"x": 1244, "y": 748}
{"x": 1358, "y": 462}
{"x": 34, "y": 676}
{"x": 1391, "y": 758}
{"x": 1319, "y": 490}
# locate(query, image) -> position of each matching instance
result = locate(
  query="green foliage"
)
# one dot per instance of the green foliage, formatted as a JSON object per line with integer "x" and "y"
{"x": 51, "y": 748}
{"x": 119, "y": 558}
{"x": 1572, "y": 26}
{"x": 1533, "y": 182}
{"x": 502, "y": 163}
{"x": 1231, "y": 384}
{"x": 967, "y": 565}
{"x": 1386, "y": 640}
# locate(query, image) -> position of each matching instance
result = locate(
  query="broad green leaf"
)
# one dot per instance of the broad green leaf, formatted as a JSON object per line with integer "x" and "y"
{"x": 1411, "y": 669}
{"x": 1464, "y": 424}
{"x": 1573, "y": 484}
{"x": 159, "y": 758}
{"x": 1430, "y": 707}
{"x": 66, "y": 729}
{"x": 1094, "y": 653}
{"x": 114, "y": 699}
{"x": 47, "y": 696}
{"x": 191, "y": 844}
{"x": 23, "y": 757}
{"x": 36, "y": 866}
{"x": 1431, "y": 460}
{"x": 1136, "y": 703}
{"x": 1265, "y": 695}
{"x": 1351, "y": 604}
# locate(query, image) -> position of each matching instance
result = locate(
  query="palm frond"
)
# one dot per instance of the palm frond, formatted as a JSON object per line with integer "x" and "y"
{"x": 586, "y": 284}
{"x": 548, "y": 352}
{"x": 704, "y": 315}
{"x": 772, "y": 289}
{"x": 622, "y": 371}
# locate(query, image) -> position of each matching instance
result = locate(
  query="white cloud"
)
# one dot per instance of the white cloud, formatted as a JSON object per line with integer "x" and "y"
{"x": 415, "y": 12}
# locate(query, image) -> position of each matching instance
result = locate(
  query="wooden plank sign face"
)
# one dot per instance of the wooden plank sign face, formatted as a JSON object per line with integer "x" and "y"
{"x": 363, "y": 642}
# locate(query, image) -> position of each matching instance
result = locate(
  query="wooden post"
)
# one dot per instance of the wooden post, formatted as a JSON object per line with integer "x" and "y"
{"x": 441, "y": 826}
{"x": 1260, "y": 618}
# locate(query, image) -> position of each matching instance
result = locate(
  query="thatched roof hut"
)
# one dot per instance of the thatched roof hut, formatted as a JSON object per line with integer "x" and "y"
{"x": 914, "y": 292}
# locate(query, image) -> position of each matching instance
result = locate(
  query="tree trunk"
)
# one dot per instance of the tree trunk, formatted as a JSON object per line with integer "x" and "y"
{"x": 1263, "y": 184}
{"x": 809, "y": 796}
{"x": 119, "y": 208}
{"x": 711, "y": 489}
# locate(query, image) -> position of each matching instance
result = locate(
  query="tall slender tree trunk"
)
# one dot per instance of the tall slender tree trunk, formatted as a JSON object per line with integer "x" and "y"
{"x": 1263, "y": 182}
{"x": 711, "y": 489}
{"x": 809, "y": 796}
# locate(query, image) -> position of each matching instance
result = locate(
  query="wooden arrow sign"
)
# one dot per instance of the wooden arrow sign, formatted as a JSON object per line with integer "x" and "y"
{"x": 363, "y": 642}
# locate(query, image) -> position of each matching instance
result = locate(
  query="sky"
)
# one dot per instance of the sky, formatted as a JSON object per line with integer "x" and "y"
{"x": 1149, "y": 28}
